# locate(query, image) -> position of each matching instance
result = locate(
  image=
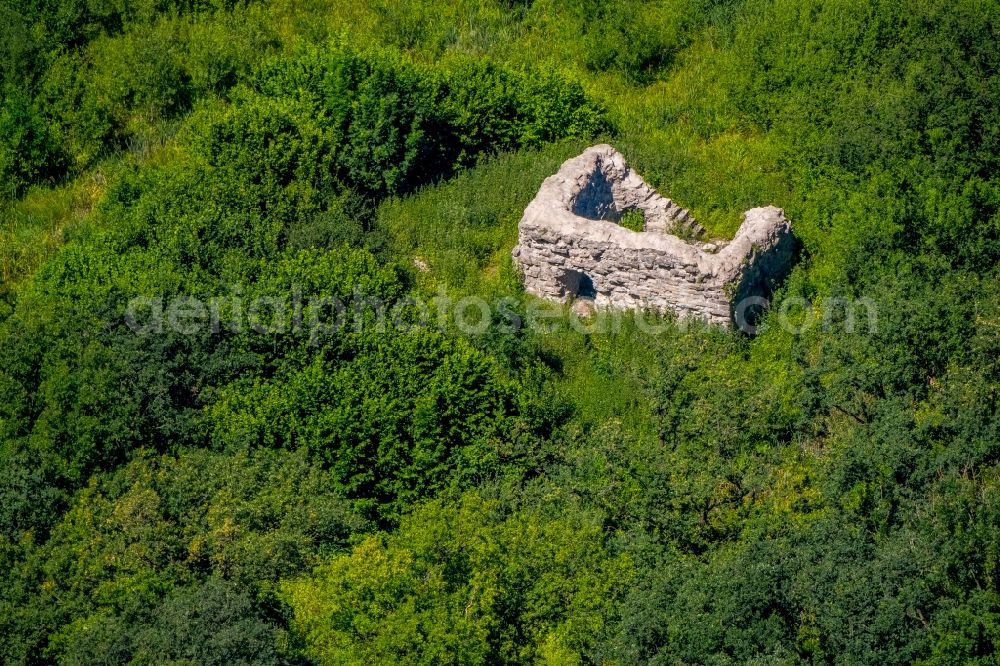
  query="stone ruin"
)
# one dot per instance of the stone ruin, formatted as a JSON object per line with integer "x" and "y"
{"x": 572, "y": 247}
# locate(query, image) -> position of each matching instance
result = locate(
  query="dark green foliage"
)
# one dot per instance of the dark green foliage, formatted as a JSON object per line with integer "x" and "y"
{"x": 266, "y": 142}
{"x": 111, "y": 76}
{"x": 269, "y": 487}
{"x": 402, "y": 124}
{"x": 339, "y": 222}
{"x": 211, "y": 623}
{"x": 28, "y": 151}
{"x": 391, "y": 431}
{"x": 393, "y": 408}
{"x": 490, "y": 108}
{"x": 172, "y": 557}
{"x": 87, "y": 123}
{"x": 634, "y": 38}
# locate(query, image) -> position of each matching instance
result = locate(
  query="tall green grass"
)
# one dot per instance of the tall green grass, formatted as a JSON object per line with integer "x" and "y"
{"x": 34, "y": 227}
{"x": 463, "y": 229}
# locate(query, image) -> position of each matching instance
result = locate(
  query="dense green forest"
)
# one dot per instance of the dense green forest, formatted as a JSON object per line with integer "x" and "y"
{"x": 820, "y": 492}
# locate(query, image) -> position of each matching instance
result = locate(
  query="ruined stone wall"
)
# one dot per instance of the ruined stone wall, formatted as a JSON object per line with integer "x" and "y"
{"x": 570, "y": 245}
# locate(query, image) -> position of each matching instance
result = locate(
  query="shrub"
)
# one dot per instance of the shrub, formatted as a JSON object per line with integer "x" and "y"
{"x": 633, "y": 219}
{"x": 28, "y": 150}
{"x": 404, "y": 124}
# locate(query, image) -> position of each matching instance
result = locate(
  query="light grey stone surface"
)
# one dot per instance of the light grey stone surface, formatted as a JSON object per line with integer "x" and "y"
{"x": 570, "y": 245}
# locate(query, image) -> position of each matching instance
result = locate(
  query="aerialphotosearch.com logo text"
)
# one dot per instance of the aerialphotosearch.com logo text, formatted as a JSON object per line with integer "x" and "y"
{"x": 327, "y": 314}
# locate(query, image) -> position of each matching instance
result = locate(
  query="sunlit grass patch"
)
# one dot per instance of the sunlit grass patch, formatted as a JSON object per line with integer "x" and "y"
{"x": 463, "y": 229}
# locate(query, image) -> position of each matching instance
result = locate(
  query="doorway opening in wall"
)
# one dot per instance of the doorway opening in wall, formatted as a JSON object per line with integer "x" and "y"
{"x": 579, "y": 285}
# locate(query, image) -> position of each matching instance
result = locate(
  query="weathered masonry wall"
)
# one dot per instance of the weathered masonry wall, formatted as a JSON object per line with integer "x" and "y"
{"x": 570, "y": 245}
